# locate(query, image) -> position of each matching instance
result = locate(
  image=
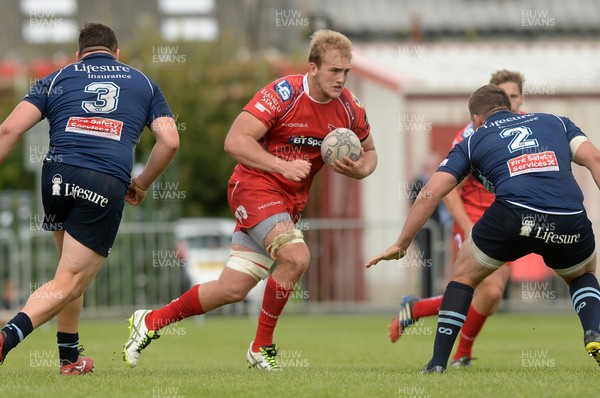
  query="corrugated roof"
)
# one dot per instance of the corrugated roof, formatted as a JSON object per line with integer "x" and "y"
{"x": 486, "y": 17}
{"x": 548, "y": 67}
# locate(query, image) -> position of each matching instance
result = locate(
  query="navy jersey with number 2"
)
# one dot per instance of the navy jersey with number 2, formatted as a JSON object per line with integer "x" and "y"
{"x": 510, "y": 149}
{"x": 98, "y": 108}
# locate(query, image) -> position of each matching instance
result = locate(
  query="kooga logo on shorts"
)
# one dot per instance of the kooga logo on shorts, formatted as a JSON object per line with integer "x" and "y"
{"x": 269, "y": 204}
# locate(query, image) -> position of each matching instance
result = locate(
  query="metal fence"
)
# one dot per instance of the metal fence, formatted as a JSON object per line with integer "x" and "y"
{"x": 145, "y": 269}
{"x": 142, "y": 269}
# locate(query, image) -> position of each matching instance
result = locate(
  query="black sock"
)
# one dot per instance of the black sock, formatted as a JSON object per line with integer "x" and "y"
{"x": 68, "y": 347}
{"x": 585, "y": 296}
{"x": 452, "y": 315}
{"x": 15, "y": 331}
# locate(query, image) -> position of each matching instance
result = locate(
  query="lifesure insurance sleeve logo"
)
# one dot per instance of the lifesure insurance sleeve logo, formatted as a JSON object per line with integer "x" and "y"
{"x": 98, "y": 126}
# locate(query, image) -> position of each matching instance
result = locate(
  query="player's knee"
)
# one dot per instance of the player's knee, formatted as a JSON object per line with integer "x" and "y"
{"x": 295, "y": 258}
{"x": 492, "y": 292}
{"x": 68, "y": 288}
{"x": 233, "y": 294}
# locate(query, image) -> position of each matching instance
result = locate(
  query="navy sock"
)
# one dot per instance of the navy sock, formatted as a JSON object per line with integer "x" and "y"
{"x": 585, "y": 295}
{"x": 15, "y": 331}
{"x": 68, "y": 347}
{"x": 452, "y": 315}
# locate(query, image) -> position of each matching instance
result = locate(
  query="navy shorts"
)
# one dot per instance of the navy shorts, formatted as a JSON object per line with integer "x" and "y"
{"x": 86, "y": 203}
{"x": 506, "y": 232}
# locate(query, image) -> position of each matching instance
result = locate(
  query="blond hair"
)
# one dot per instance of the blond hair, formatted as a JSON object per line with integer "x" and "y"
{"x": 325, "y": 40}
{"x": 503, "y": 76}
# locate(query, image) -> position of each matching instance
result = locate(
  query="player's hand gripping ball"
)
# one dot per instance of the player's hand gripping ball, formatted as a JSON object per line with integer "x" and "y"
{"x": 339, "y": 143}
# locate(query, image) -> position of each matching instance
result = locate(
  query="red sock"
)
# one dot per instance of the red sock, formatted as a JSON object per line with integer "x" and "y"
{"x": 275, "y": 298}
{"x": 426, "y": 307}
{"x": 469, "y": 332}
{"x": 188, "y": 304}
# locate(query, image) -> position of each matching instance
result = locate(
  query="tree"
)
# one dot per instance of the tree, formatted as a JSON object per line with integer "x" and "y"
{"x": 207, "y": 85}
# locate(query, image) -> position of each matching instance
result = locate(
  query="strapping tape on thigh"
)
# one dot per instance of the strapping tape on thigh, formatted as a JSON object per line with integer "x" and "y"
{"x": 251, "y": 263}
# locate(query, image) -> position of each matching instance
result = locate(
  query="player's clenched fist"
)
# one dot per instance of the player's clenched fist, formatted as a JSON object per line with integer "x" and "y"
{"x": 135, "y": 193}
{"x": 296, "y": 170}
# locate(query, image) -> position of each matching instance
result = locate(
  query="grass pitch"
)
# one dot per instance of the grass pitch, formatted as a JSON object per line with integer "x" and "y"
{"x": 520, "y": 355}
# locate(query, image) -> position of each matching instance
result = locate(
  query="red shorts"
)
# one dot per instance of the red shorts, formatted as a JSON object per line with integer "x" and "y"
{"x": 253, "y": 201}
{"x": 458, "y": 233}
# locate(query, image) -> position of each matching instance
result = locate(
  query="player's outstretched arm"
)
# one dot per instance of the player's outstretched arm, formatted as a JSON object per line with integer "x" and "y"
{"x": 22, "y": 118}
{"x": 428, "y": 199}
{"x": 363, "y": 167}
{"x": 163, "y": 152}
{"x": 242, "y": 143}
{"x": 588, "y": 155}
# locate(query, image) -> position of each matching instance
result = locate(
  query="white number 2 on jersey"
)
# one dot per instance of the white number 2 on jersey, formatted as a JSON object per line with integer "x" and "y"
{"x": 107, "y": 97}
{"x": 519, "y": 141}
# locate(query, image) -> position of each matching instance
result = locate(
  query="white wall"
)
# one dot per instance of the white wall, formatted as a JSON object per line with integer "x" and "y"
{"x": 384, "y": 207}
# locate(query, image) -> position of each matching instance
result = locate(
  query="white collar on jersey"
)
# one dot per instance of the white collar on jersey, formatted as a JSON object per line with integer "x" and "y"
{"x": 307, "y": 91}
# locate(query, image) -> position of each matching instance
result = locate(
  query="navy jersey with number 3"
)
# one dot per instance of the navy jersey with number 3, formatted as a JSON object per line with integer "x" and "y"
{"x": 97, "y": 109}
{"x": 523, "y": 159}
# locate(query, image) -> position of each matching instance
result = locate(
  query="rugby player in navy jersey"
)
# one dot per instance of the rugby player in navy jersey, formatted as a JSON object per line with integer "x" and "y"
{"x": 97, "y": 109}
{"x": 525, "y": 159}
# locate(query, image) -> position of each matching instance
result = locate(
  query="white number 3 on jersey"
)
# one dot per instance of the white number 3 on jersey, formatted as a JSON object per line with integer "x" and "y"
{"x": 107, "y": 97}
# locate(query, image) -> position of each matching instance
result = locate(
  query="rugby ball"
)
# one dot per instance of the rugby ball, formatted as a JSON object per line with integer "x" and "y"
{"x": 339, "y": 143}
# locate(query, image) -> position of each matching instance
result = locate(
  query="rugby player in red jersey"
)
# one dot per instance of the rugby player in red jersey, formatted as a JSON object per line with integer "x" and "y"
{"x": 276, "y": 140}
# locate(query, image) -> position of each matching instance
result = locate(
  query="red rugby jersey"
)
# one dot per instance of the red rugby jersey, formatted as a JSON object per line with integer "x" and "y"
{"x": 296, "y": 126}
{"x": 474, "y": 196}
